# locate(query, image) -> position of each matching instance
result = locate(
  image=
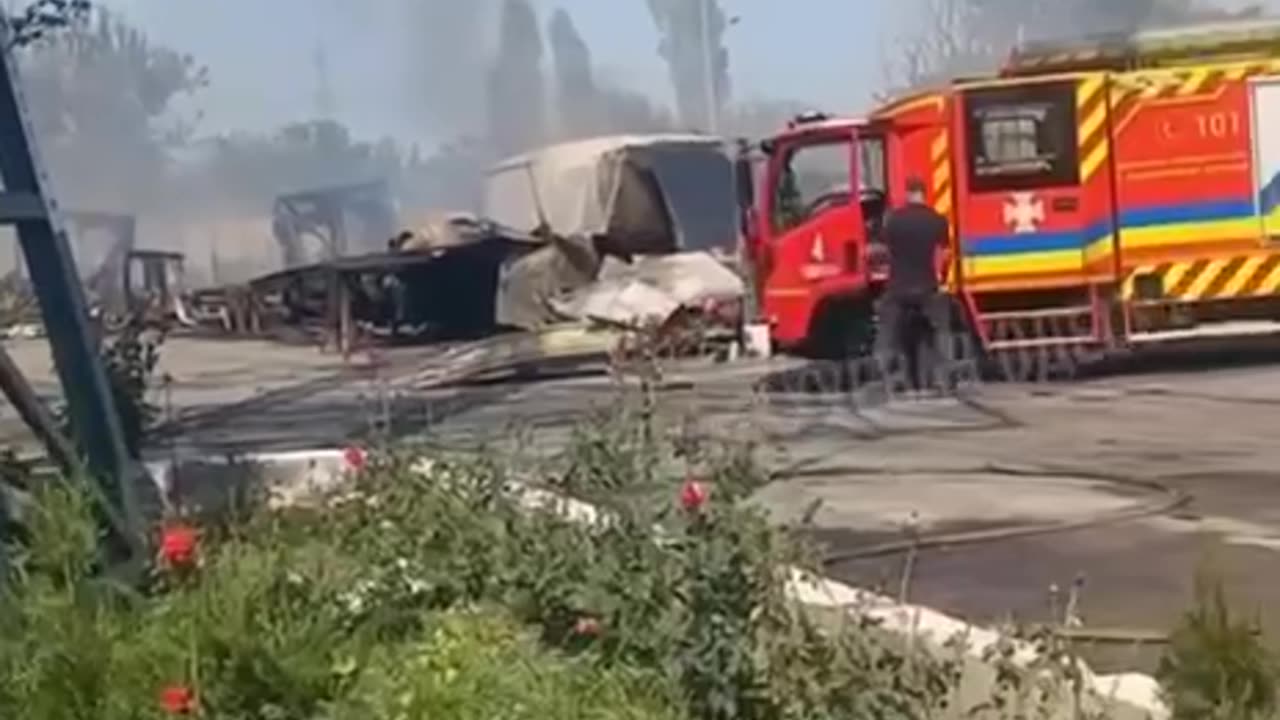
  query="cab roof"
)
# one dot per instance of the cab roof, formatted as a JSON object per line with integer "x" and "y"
{"x": 816, "y": 123}
{"x": 1198, "y": 43}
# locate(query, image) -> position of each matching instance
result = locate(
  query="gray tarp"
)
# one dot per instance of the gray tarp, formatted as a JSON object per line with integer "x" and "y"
{"x": 651, "y": 193}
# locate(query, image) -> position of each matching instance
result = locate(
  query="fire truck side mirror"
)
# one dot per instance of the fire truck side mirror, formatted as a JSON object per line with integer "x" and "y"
{"x": 744, "y": 181}
{"x": 744, "y": 185}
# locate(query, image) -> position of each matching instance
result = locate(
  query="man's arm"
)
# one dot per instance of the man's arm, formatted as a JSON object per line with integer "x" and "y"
{"x": 942, "y": 233}
{"x": 942, "y": 253}
{"x": 886, "y": 226}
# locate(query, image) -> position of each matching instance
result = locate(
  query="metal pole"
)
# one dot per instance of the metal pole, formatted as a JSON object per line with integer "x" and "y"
{"x": 52, "y": 268}
{"x": 708, "y": 62}
{"x": 34, "y": 414}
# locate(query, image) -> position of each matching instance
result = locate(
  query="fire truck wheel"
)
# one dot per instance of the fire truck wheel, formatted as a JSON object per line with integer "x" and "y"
{"x": 844, "y": 330}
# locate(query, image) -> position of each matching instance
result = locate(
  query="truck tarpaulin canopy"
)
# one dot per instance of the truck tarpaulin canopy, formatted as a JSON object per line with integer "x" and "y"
{"x": 629, "y": 195}
{"x": 648, "y": 193}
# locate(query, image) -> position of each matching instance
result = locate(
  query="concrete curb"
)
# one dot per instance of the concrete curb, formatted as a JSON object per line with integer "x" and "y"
{"x": 293, "y": 476}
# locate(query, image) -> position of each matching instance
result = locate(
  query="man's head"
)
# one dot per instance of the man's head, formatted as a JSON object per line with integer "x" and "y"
{"x": 915, "y": 190}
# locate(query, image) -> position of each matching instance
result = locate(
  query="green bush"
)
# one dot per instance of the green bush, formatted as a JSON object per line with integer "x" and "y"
{"x": 265, "y": 628}
{"x": 478, "y": 666}
{"x": 1216, "y": 666}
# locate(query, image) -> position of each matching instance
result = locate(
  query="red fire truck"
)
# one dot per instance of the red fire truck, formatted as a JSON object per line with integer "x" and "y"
{"x": 811, "y": 200}
{"x": 1106, "y": 194}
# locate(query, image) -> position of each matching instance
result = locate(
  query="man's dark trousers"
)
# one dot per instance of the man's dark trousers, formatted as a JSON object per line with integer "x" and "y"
{"x": 924, "y": 352}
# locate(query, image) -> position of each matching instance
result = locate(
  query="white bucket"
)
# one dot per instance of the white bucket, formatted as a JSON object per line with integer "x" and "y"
{"x": 759, "y": 341}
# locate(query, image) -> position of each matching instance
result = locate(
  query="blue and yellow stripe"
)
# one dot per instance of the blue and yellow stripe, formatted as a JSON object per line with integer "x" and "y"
{"x": 1153, "y": 231}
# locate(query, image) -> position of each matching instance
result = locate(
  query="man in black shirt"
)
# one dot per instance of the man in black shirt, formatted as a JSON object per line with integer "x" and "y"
{"x": 913, "y": 235}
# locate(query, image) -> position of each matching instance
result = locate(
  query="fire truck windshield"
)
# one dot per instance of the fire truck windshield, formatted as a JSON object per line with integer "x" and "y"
{"x": 813, "y": 177}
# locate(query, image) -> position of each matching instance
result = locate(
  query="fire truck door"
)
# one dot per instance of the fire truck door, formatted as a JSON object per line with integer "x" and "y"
{"x": 814, "y": 218}
{"x": 1027, "y": 206}
{"x": 1265, "y": 100}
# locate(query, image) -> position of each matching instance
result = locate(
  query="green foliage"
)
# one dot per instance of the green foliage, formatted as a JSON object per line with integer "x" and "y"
{"x": 481, "y": 665}
{"x": 1216, "y": 666}
{"x": 130, "y": 360}
{"x": 266, "y": 629}
{"x": 102, "y": 99}
{"x": 42, "y": 17}
{"x": 367, "y": 607}
{"x": 67, "y": 648}
{"x": 443, "y": 588}
{"x": 704, "y": 608}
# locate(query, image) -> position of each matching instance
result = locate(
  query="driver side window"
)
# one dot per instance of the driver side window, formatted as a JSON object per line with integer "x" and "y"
{"x": 812, "y": 178}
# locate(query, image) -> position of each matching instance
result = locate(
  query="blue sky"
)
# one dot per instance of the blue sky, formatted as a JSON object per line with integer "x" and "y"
{"x": 260, "y": 53}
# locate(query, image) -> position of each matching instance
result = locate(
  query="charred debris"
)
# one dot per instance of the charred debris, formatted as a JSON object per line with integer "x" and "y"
{"x": 613, "y": 234}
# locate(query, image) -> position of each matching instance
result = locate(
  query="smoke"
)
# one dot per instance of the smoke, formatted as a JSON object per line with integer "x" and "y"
{"x": 447, "y": 55}
{"x": 578, "y": 107}
{"x": 692, "y": 44}
{"x": 950, "y": 37}
{"x": 118, "y": 113}
{"x": 1042, "y": 19}
{"x": 517, "y": 90}
{"x": 587, "y": 105}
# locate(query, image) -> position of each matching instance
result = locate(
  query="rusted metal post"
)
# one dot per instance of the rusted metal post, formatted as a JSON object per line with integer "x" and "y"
{"x": 34, "y": 414}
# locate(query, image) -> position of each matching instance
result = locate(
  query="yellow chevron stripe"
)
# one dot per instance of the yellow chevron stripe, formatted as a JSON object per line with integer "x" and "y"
{"x": 1151, "y": 91}
{"x": 1092, "y": 123}
{"x": 1241, "y": 278}
{"x": 1205, "y": 279}
{"x": 943, "y": 203}
{"x": 941, "y": 175}
{"x": 939, "y": 149}
{"x": 1088, "y": 89}
{"x": 1195, "y": 79}
{"x": 1174, "y": 275}
{"x": 1093, "y": 161}
{"x": 1269, "y": 284}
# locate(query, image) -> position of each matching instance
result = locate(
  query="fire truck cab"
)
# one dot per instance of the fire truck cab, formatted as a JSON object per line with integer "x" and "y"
{"x": 812, "y": 198}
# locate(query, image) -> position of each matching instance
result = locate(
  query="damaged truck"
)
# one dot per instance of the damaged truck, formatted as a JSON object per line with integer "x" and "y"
{"x": 614, "y": 231}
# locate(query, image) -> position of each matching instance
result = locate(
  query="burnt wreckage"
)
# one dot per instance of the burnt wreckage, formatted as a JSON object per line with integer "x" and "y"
{"x": 606, "y": 230}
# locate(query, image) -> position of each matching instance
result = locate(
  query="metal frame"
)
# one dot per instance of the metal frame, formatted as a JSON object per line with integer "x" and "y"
{"x": 1252, "y": 84}
{"x": 323, "y": 212}
{"x": 26, "y": 204}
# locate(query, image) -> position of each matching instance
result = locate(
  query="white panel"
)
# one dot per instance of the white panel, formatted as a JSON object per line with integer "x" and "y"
{"x": 1266, "y": 152}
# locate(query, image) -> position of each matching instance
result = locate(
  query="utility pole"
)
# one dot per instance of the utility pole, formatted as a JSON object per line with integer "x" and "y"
{"x": 708, "y": 66}
{"x": 324, "y": 100}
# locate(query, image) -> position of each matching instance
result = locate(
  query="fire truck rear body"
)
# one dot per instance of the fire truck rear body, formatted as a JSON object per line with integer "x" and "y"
{"x": 1106, "y": 195}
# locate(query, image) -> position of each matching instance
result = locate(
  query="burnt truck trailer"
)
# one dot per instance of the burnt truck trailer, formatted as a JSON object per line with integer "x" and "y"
{"x": 551, "y": 221}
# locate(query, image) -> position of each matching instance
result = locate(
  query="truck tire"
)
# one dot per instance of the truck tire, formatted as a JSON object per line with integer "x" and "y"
{"x": 843, "y": 329}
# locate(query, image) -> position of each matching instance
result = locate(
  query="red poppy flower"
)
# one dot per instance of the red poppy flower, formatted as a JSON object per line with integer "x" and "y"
{"x": 178, "y": 700}
{"x": 355, "y": 458}
{"x": 586, "y": 627}
{"x": 178, "y": 545}
{"x": 693, "y": 495}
